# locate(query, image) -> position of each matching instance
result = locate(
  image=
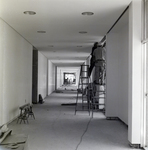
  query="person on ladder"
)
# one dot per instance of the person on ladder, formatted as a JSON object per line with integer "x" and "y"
{"x": 92, "y": 60}
{"x": 99, "y": 56}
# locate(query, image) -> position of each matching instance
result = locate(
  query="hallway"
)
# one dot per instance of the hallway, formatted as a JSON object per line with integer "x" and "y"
{"x": 57, "y": 128}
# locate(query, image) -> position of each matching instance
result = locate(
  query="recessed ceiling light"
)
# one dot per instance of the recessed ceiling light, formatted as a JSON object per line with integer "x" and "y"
{"x": 41, "y": 31}
{"x": 88, "y": 13}
{"x": 29, "y": 12}
{"x": 83, "y": 32}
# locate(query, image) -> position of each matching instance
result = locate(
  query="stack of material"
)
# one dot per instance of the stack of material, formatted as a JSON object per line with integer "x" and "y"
{"x": 12, "y": 141}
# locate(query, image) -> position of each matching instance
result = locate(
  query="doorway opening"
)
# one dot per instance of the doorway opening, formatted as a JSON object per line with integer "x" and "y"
{"x": 69, "y": 78}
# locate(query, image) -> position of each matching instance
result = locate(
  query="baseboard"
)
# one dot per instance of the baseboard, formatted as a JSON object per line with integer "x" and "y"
{"x": 112, "y": 118}
{"x": 135, "y": 146}
{"x": 116, "y": 118}
{"x": 123, "y": 122}
{"x": 12, "y": 120}
{"x": 7, "y": 123}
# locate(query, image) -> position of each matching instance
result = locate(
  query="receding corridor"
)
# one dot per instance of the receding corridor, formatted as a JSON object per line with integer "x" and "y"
{"x": 56, "y": 127}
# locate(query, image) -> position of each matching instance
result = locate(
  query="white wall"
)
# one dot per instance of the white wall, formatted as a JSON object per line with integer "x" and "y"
{"x": 51, "y": 77}
{"x": 42, "y": 75}
{"x": 125, "y": 80}
{"x": 117, "y": 70}
{"x": 135, "y": 73}
{"x": 16, "y": 72}
{"x": 123, "y": 74}
{"x": 111, "y": 102}
{"x": 59, "y": 80}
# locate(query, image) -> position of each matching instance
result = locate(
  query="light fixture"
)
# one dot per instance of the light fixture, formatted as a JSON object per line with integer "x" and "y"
{"x": 29, "y": 12}
{"x": 41, "y": 31}
{"x": 88, "y": 13}
{"x": 83, "y": 32}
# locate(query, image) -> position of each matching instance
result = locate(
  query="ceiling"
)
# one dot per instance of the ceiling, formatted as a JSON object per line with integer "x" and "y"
{"x": 62, "y": 20}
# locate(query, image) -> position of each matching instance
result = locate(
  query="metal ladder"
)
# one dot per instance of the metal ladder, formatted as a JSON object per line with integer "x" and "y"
{"x": 82, "y": 99}
{"x": 98, "y": 98}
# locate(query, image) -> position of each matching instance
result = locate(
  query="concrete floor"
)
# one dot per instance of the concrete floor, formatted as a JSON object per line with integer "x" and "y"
{"x": 57, "y": 127}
